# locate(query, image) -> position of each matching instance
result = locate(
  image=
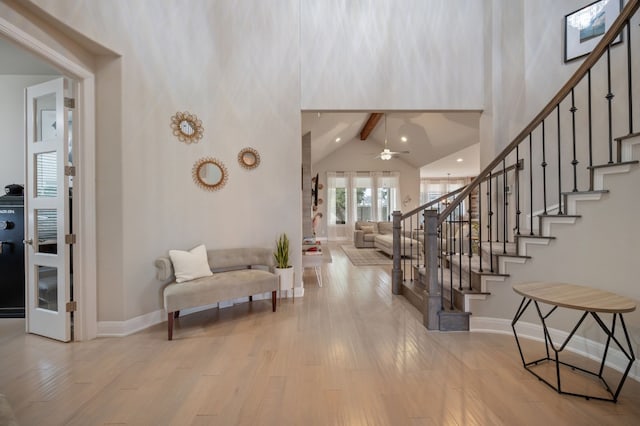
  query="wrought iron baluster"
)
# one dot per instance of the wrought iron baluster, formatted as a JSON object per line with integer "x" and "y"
{"x": 629, "y": 74}
{"x": 559, "y": 166}
{"x": 590, "y": 126}
{"x": 403, "y": 249}
{"x": 480, "y": 224}
{"x": 403, "y": 239}
{"x": 490, "y": 225}
{"x": 517, "y": 171}
{"x": 609, "y": 98}
{"x": 530, "y": 185}
{"x": 505, "y": 204}
{"x": 574, "y": 162}
{"x": 544, "y": 170}
{"x": 461, "y": 238}
{"x": 451, "y": 250}
{"x": 469, "y": 211}
{"x": 497, "y": 209}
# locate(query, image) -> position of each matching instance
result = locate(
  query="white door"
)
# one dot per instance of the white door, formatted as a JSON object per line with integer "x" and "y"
{"x": 47, "y": 255}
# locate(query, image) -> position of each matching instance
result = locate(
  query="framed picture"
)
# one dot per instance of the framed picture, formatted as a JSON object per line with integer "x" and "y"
{"x": 584, "y": 28}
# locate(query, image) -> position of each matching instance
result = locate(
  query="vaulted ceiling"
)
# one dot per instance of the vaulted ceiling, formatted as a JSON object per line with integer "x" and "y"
{"x": 429, "y": 136}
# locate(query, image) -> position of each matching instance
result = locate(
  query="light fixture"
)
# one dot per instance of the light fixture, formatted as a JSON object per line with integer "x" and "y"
{"x": 404, "y": 139}
{"x": 385, "y": 154}
{"x": 459, "y": 160}
{"x": 338, "y": 139}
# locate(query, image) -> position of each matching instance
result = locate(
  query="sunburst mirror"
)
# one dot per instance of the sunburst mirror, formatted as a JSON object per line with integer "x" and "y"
{"x": 249, "y": 158}
{"x": 209, "y": 173}
{"x": 187, "y": 127}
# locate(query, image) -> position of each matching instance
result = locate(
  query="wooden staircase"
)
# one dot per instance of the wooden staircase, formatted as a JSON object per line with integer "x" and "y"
{"x": 498, "y": 255}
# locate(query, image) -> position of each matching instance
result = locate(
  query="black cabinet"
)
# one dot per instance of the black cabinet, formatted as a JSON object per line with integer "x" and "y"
{"x": 12, "y": 285}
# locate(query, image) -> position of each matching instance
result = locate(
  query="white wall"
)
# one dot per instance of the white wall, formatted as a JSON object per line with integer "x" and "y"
{"x": 390, "y": 54}
{"x": 236, "y": 67}
{"x": 12, "y": 113}
{"x": 357, "y": 155}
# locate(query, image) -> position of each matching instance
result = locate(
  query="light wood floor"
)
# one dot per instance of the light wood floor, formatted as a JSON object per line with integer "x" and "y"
{"x": 349, "y": 353}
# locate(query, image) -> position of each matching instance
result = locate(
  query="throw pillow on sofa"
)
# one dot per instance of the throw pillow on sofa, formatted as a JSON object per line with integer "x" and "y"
{"x": 189, "y": 265}
{"x": 367, "y": 229}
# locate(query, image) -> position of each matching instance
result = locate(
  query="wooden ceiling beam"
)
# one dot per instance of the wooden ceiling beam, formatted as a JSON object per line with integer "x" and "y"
{"x": 371, "y": 124}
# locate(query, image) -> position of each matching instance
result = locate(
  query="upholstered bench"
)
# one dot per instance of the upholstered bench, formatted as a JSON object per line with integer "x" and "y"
{"x": 235, "y": 273}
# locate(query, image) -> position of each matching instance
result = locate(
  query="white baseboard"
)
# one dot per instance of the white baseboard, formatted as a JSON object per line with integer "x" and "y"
{"x": 579, "y": 345}
{"x": 130, "y": 326}
{"x": 133, "y": 325}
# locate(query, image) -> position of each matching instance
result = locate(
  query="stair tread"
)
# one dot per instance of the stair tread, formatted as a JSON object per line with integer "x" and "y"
{"x": 535, "y": 236}
{"x": 491, "y": 274}
{"x": 602, "y": 191}
{"x": 559, "y": 215}
{"x": 629, "y": 136}
{"x": 471, "y": 291}
{"x": 514, "y": 255}
{"x": 622, "y": 163}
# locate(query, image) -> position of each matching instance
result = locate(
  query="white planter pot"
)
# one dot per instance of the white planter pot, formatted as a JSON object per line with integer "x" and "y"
{"x": 285, "y": 276}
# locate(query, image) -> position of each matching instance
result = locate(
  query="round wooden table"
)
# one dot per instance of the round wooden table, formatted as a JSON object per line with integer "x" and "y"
{"x": 590, "y": 301}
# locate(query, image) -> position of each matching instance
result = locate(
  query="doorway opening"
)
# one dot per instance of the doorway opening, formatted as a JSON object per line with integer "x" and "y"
{"x": 82, "y": 208}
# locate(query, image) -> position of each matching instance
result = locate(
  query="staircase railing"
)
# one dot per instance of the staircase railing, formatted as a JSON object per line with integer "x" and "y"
{"x": 574, "y": 127}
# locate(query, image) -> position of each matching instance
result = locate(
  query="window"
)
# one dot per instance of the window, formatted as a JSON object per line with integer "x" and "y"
{"x": 337, "y": 186}
{"x": 341, "y": 206}
{"x": 360, "y": 196}
{"x": 363, "y": 204}
{"x": 385, "y": 203}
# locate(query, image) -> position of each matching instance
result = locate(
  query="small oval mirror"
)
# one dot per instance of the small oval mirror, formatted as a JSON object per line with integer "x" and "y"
{"x": 209, "y": 174}
{"x": 249, "y": 158}
{"x": 186, "y": 127}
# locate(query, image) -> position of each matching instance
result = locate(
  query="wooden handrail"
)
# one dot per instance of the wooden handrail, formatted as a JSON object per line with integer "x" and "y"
{"x": 518, "y": 165}
{"x": 432, "y": 203}
{"x": 616, "y": 28}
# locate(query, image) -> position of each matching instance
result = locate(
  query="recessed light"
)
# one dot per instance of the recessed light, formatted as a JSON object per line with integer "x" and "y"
{"x": 459, "y": 160}
{"x": 338, "y": 139}
{"x": 404, "y": 139}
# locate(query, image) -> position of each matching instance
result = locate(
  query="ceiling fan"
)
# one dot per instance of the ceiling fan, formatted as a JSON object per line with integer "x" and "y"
{"x": 386, "y": 153}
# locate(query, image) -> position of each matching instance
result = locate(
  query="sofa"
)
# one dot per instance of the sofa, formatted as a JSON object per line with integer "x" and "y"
{"x": 450, "y": 239}
{"x": 234, "y": 273}
{"x": 379, "y": 235}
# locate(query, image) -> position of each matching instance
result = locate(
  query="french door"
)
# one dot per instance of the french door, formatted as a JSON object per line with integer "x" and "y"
{"x": 48, "y": 235}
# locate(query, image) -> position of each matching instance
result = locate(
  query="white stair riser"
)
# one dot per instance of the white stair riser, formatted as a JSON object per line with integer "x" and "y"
{"x": 572, "y": 201}
{"x": 599, "y": 174}
{"x": 523, "y": 242}
{"x": 626, "y": 148}
{"x": 546, "y": 223}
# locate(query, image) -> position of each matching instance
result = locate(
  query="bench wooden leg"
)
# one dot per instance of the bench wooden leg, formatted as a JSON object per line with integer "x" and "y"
{"x": 250, "y": 298}
{"x": 170, "y": 317}
{"x": 273, "y": 300}
{"x": 176, "y": 314}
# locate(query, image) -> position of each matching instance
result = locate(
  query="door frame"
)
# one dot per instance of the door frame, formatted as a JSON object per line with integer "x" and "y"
{"x": 84, "y": 203}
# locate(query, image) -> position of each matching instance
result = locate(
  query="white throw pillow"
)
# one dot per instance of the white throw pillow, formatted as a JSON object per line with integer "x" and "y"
{"x": 189, "y": 265}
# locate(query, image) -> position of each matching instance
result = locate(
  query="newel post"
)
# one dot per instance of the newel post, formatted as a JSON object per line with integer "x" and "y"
{"x": 396, "y": 272}
{"x": 433, "y": 299}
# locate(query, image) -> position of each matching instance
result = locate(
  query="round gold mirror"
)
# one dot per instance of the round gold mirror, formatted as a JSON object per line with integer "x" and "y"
{"x": 249, "y": 158}
{"x": 186, "y": 127}
{"x": 209, "y": 173}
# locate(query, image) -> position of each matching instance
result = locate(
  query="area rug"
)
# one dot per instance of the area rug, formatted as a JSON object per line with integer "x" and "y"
{"x": 366, "y": 256}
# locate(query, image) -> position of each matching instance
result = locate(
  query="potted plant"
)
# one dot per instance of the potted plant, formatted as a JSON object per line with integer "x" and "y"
{"x": 283, "y": 269}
